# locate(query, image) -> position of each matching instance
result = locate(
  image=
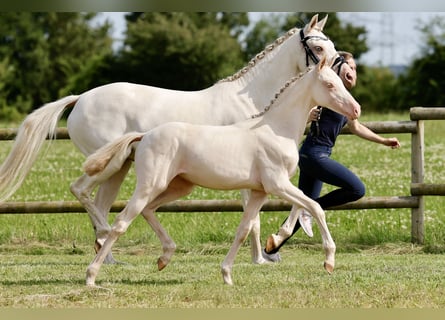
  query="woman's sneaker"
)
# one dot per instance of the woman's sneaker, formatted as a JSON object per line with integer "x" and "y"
{"x": 305, "y": 220}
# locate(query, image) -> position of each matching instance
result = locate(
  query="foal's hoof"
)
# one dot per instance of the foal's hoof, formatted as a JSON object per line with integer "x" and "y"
{"x": 227, "y": 276}
{"x": 329, "y": 267}
{"x": 161, "y": 264}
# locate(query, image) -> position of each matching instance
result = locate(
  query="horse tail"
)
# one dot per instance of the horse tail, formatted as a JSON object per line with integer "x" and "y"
{"x": 34, "y": 130}
{"x": 110, "y": 158}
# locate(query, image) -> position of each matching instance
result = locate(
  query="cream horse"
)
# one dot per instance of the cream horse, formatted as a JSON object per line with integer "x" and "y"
{"x": 259, "y": 154}
{"x": 108, "y": 112}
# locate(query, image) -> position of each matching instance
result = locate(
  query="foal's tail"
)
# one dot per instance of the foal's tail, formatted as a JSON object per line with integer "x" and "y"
{"x": 110, "y": 158}
{"x": 31, "y": 135}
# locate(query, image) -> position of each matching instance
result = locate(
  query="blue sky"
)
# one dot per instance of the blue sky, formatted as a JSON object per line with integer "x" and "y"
{"x": 392, "y": 36}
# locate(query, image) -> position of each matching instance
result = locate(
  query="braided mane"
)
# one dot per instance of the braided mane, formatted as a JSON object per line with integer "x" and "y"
{"x": 283, "y": 88}
{"x": 260, "y": 56}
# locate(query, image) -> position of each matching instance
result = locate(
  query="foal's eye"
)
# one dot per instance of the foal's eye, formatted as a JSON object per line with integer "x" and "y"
{"x": 330, "y": 85}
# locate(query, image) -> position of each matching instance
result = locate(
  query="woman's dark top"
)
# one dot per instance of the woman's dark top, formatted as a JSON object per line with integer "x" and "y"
{"x": 324, "y": 132}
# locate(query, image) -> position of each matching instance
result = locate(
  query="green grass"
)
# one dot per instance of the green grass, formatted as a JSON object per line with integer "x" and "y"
{"x": 388, "y": 277}
{"x": 43, "y": 257}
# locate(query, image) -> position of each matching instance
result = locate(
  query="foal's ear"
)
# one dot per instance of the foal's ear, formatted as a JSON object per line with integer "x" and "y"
{"x": 322, "y": 63}
{"x": 331, "y": 61}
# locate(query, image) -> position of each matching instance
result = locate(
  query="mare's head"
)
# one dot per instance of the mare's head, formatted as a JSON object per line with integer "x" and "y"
{"x": 329, "y": 91}
{"x": 315, "y": 43}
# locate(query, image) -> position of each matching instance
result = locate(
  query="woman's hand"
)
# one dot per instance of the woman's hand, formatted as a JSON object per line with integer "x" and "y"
{"x": 392, "y": 142}
{"x": 314, "y": 114}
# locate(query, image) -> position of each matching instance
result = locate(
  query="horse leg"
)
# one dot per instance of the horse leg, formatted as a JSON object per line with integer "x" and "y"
{"x": 98, "y": 210}
{"x": 176, "y": 189}
{"x": 105, "y": 196}
{"x": 275, "y": 240}
{"x": 120, "y": 226}
{"x": 82, "y": 189}
{"x": 289, "y": 192}
{"x": 255, "y": 242}
{"x": 252, "y": 208}
{"x": 168, "y": 245}
{"x": 146, "y": 191}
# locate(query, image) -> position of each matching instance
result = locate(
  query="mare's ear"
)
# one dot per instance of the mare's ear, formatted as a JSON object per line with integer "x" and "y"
{"x": 312, "y": 24}
{"x": 321, "y": 24}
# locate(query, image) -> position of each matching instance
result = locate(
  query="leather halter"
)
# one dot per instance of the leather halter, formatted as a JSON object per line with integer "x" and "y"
{"x": 308, "y": 50}
{"x": 340, "y": 60}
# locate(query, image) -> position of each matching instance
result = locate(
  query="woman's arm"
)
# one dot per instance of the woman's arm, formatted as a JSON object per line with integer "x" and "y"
{"x": 365, "y": 133}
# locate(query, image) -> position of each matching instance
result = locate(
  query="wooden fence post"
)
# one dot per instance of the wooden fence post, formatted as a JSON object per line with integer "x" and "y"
{"x": 417, "y": 175}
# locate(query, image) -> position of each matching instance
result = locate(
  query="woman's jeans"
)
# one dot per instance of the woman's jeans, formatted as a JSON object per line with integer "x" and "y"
{"x": 316, "y": 168}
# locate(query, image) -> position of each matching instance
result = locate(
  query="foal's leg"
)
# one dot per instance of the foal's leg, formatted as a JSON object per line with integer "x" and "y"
{"x": 146, "y": 191}
{"x": 176, "y": 189}
{"x": 289, "y": 192}
{"x": 252, "y": 208}
{"x": 98, "y": 210}
{"x": 255, "y": 244}
{"x": 121, "y": 224}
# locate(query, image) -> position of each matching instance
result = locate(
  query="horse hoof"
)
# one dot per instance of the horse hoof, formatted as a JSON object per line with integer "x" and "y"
{"x": 91, "y": 277}
{"x": 227, "y": 275}
{"x": 111, "y": 261}
{"x": 91, "y": 284}
{"x": 227, "y": 279}
{"x": 161, "y": 264}
{"x": 97, "y": 246}
{"x": 271, "y": 244}
{"x": 329, "y": 267}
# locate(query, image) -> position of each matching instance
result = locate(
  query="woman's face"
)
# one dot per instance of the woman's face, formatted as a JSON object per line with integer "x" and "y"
{"x": 348, "y": 73}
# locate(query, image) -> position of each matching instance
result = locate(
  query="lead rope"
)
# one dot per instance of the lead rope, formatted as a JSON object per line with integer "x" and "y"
{"x": 317, "y": 125}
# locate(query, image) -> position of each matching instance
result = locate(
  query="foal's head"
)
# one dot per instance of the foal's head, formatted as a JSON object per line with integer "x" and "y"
{"x": 329, "y": 91}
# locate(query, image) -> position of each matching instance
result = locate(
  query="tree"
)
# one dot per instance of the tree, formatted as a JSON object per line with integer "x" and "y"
{"x": 264, "y": 32}
{"x": 423, "y": 83}
{"x": 42, "y": 51}
{"x": 22, "y": 47}
{"x": 177, "y": 50}
{"x": 345, "y": 36}
{"x": 375, "y": 89}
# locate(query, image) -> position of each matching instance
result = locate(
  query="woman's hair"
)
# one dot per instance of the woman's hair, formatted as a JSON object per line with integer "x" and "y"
{"x": 346, "y": 55}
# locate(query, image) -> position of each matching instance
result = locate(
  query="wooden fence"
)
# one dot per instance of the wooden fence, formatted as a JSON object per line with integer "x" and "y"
{"x": 414, "y": 201}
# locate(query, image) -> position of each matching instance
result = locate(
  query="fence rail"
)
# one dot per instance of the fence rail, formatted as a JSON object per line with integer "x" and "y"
{"x": 415, "y": 201}
{"x": 377, "y": 127}
{"x": 202, "y": 205}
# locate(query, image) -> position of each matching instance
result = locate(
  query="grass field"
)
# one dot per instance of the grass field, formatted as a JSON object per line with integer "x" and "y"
{"x": 43, "y": 257}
